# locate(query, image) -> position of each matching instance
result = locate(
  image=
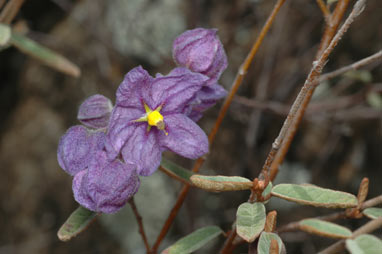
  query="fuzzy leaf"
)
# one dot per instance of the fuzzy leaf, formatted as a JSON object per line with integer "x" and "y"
{"x": 314, "y": 196}
{"x": 5, "y": 34}
{"x": 45, "y": 55}
{"x": 194, "y": 241}
{"x": 174, "y": 169}
{"x": 373, "y": 212}
{"x": 221, "y": 183}
{"x": 250, "y": 220}
{"x": 324, "y": 228}
{"x": 76, "y": 223}
{"x": 265, "y": 243}
{"x": 364, "y": 244}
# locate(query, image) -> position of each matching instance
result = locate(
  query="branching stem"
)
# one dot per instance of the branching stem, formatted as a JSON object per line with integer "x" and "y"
{"x": 236, "y": 84}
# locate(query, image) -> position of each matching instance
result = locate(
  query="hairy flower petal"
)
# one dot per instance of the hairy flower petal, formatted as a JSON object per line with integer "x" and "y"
{"x": 200, "y": 50}
{"x": 142, "y": 148}
{"x": 95, "y": 111}
{"x": 77, "y": 148}
{"x": 121, "y": 127}
{"x": 175, "y": 90}
{"x": 129, "y": 93}
{"x": 184, "y": 137}
{"x": 105, "y": 186}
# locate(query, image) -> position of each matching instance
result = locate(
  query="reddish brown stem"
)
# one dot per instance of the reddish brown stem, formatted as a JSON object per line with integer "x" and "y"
{"x": 298, "y": 108}
{"x": 239, "y": 78}
{"x": 10, "y": 11}
{"x": 227, "y": 246}
{"x": 324, "y": 9}
{"x": 140, "y": 224}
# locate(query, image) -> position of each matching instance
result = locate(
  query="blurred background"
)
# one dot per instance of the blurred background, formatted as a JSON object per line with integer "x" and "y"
{"x": 338, "y": 143}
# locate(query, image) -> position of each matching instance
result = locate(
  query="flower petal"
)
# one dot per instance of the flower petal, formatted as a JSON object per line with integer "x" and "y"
{"x": 142, "y": 148}
{"x": 129, "y": 93}
{"x": 184, "y": 137}
{"x": 200, "y": 50}
{"x": 95, "y": 111}
{"x": 106, "y": 186}
{"x": 77, "y": 147}
{"x": 176, "y": 89}
{"x": 121, "y": 127}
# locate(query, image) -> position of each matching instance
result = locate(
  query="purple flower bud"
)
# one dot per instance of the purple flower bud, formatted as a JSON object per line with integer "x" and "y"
{"x": 201, "y": 51}
{"x": 77, "y": 148}
{"x": 106, "y": 185}
{"x": 95, "y": 111}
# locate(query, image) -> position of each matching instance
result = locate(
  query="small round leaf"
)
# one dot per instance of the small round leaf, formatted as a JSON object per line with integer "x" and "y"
{"x": 324, "y": 228}
{"x": 364, "y": 244}
{"x": 265, "y": 243}
{"x": 250, "y": 220}
{"x": 373, "y": 212}
{"x": 314, "y": 196}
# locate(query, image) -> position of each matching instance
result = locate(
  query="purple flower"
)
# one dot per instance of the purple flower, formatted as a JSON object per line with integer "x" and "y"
{"x": 99, "y": 184}
{"x": 95, "y": 111}
{"x": 201, "y": 51}
{"x": 148, "y": 118}
{"x": 105, "y": 186}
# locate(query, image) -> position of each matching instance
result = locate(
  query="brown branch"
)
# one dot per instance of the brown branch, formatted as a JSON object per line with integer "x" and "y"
{"x": 172, "y": 175}
{"x": 367, "y": 228}
{"x": 2, "y": 2}
{"x": 10, "y": 11}
{"x": 227, "y": 246}
{"x": 140, "y": 224}
{"x": 283, "y": 141}
{"x": 332, "y": 26}
{"x": 294, "y": 226}
{"x": 227, "y": 102}
{"x": 354, "y": 66}
{"x": 324, "y": 10}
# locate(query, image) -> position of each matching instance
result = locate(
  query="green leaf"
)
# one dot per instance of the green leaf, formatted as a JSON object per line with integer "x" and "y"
{"x": 265, "y": 243}
{"x": 314, "y": 196}
{"x": 221, "y": 183}
{"x": 45, "y": 55}
{"x": 373, "y": 212}
{"x": 364, "y": 244}
{"x": 324, "y": 228}
{"x": 374, "y": 100}
{"x": 5, "y": 34}
{"x": 77, "y": 222}
{"x": 267, "y": 190}
{"x": 361, "y": 75}
{"x": 175, "y": 170}
{"x": 250, "y": 220}
{"x": 194, "y": 241}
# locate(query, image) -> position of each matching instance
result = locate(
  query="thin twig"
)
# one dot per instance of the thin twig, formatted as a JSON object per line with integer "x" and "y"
{"x": 324, "y": 10}
{"x": 283, "y": 141}
{"x": 10, "y": 11}
{"x": 367, "y": 228}
{"x": 294, "y": 226}
{"x": 171, "y": 174}
{"x": 140, "y": 223}
{"x": 238, "y": 80}
{"x": 227, "y": 246}
{"x": 354, "y": 66}
{"x": 332, "y": 26}
{"x": 2, "y": 2}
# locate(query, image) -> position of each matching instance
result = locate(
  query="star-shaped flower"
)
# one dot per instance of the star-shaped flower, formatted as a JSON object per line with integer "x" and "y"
{"x": 148, "y": 118}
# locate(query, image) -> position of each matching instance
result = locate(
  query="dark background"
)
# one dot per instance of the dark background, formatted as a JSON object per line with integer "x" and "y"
{"x": 335, "y": 147}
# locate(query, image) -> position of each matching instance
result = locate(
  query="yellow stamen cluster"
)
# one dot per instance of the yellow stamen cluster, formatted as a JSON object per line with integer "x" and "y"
{"x": 153, "y": 118}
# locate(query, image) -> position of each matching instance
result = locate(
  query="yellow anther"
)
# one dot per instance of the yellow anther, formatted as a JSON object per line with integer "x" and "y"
{"x": 155, "y": 119}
